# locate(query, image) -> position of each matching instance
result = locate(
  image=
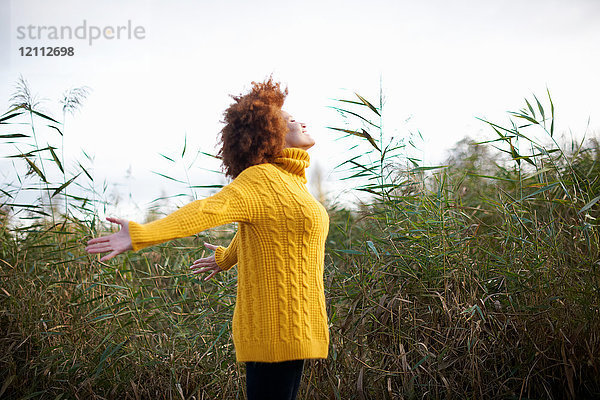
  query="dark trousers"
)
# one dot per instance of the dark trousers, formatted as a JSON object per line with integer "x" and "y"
{"x": 273, "y": 381}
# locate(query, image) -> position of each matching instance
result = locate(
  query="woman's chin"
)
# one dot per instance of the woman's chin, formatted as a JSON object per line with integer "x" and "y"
{"x": 308, "y": 146}
{"x": 310, "y": 142}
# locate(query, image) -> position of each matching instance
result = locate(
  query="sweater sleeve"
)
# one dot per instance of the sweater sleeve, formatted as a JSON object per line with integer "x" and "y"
{"x": 226, "y": 258}
{"x": 233, "y": 203}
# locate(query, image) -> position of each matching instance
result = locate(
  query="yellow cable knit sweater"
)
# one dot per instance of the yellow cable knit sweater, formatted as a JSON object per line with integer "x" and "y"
{"x": 279, "y": 247}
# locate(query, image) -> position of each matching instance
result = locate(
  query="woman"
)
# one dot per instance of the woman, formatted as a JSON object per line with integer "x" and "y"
{"x": 280, "y": 317}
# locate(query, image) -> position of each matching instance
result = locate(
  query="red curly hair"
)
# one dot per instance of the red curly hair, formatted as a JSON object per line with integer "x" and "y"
{"x": 255, "y": 130}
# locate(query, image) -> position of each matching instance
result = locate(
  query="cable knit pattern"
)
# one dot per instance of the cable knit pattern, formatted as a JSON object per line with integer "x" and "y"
{"x": 279, "y": 248}
{"x": 306, "y": 275}
{"x": 289, "y": 305}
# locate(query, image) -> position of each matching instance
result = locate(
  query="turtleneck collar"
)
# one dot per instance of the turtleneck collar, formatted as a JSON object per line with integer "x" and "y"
{"x": 294, "y": 160}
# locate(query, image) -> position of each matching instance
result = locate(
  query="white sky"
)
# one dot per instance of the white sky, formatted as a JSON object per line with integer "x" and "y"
{"x": 443, "y": 63}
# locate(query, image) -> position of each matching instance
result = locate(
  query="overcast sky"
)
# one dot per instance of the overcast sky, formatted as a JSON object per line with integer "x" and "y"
{"x": 442, "y": 63}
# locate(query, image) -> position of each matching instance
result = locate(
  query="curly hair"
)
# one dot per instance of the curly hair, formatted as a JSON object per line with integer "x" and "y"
{"x": 255, "y": 130}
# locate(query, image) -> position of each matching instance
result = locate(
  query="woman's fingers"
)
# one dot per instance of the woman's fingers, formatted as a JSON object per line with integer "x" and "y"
{"x": 109, "y": 256}
{"x": 116, "y": 220}
{"x": 211, "y": 275}
{"x": 98, "y": 245}
{"x": 98, "y": 240}
{"x": 99, "y": 248}
{"x": 203, "y": 267}
{"x": 215, "y": 270}
{"x": 207, "y": 260}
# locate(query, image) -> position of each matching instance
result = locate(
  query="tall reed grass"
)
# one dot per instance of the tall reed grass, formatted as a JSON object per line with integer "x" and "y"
{"x": 475, "y": 279}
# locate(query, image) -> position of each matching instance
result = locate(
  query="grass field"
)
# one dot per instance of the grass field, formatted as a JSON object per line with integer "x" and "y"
{"x": 476, "y": 279}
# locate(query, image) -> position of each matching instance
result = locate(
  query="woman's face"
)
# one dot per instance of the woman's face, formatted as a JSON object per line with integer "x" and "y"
{"x": 296, "y": 135}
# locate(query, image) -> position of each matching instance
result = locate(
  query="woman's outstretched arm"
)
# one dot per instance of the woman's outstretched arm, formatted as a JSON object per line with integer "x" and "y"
{"x": 233, "y": 203}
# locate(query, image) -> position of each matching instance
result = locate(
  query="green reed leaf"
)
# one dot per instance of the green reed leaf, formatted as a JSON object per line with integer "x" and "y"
{"x": 20, "y": 106}
{"x": 544, "y": 189}
{"x": 525, "y": 117}
{"x": 552, "y": 112}
{"x": 210, "y": 155}
{"x": 7, "y": 117}
{"x": 39, "y": 114}
{"x": 55, "y": 158}
{"x": 363, "y": 134}
{"x": 35, "y": 168}
{"x": 58, "y": 130}
{"x": 349, "y": 251}
{"x": 589, "y": 205}
{"x": 349, "y": 101}
{"x": 64, "y": 185}
{"x": 370, "y": 139}
{"x": 418, "y": 169}
{"x": 539, "y": 107}
{"x": 355, "y": 114}
{"x": 366, "y": 103}
{"x": 168, "y": 158}
{"x": 108, "y": 353}
{"x": 372, "y": 247}
{"x": 421, "y": 361}
{"x": 530, "y": 108}
{"x": 22, "y": 205}
{"x": 168, "y": 177}
{"x": 205, "y": 186}
{"x": 85, "y": 172}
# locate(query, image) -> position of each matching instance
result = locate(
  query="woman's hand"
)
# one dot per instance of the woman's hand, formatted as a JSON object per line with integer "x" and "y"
{"x": 207, "y": 264}
{"x": 116, "y": 243}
